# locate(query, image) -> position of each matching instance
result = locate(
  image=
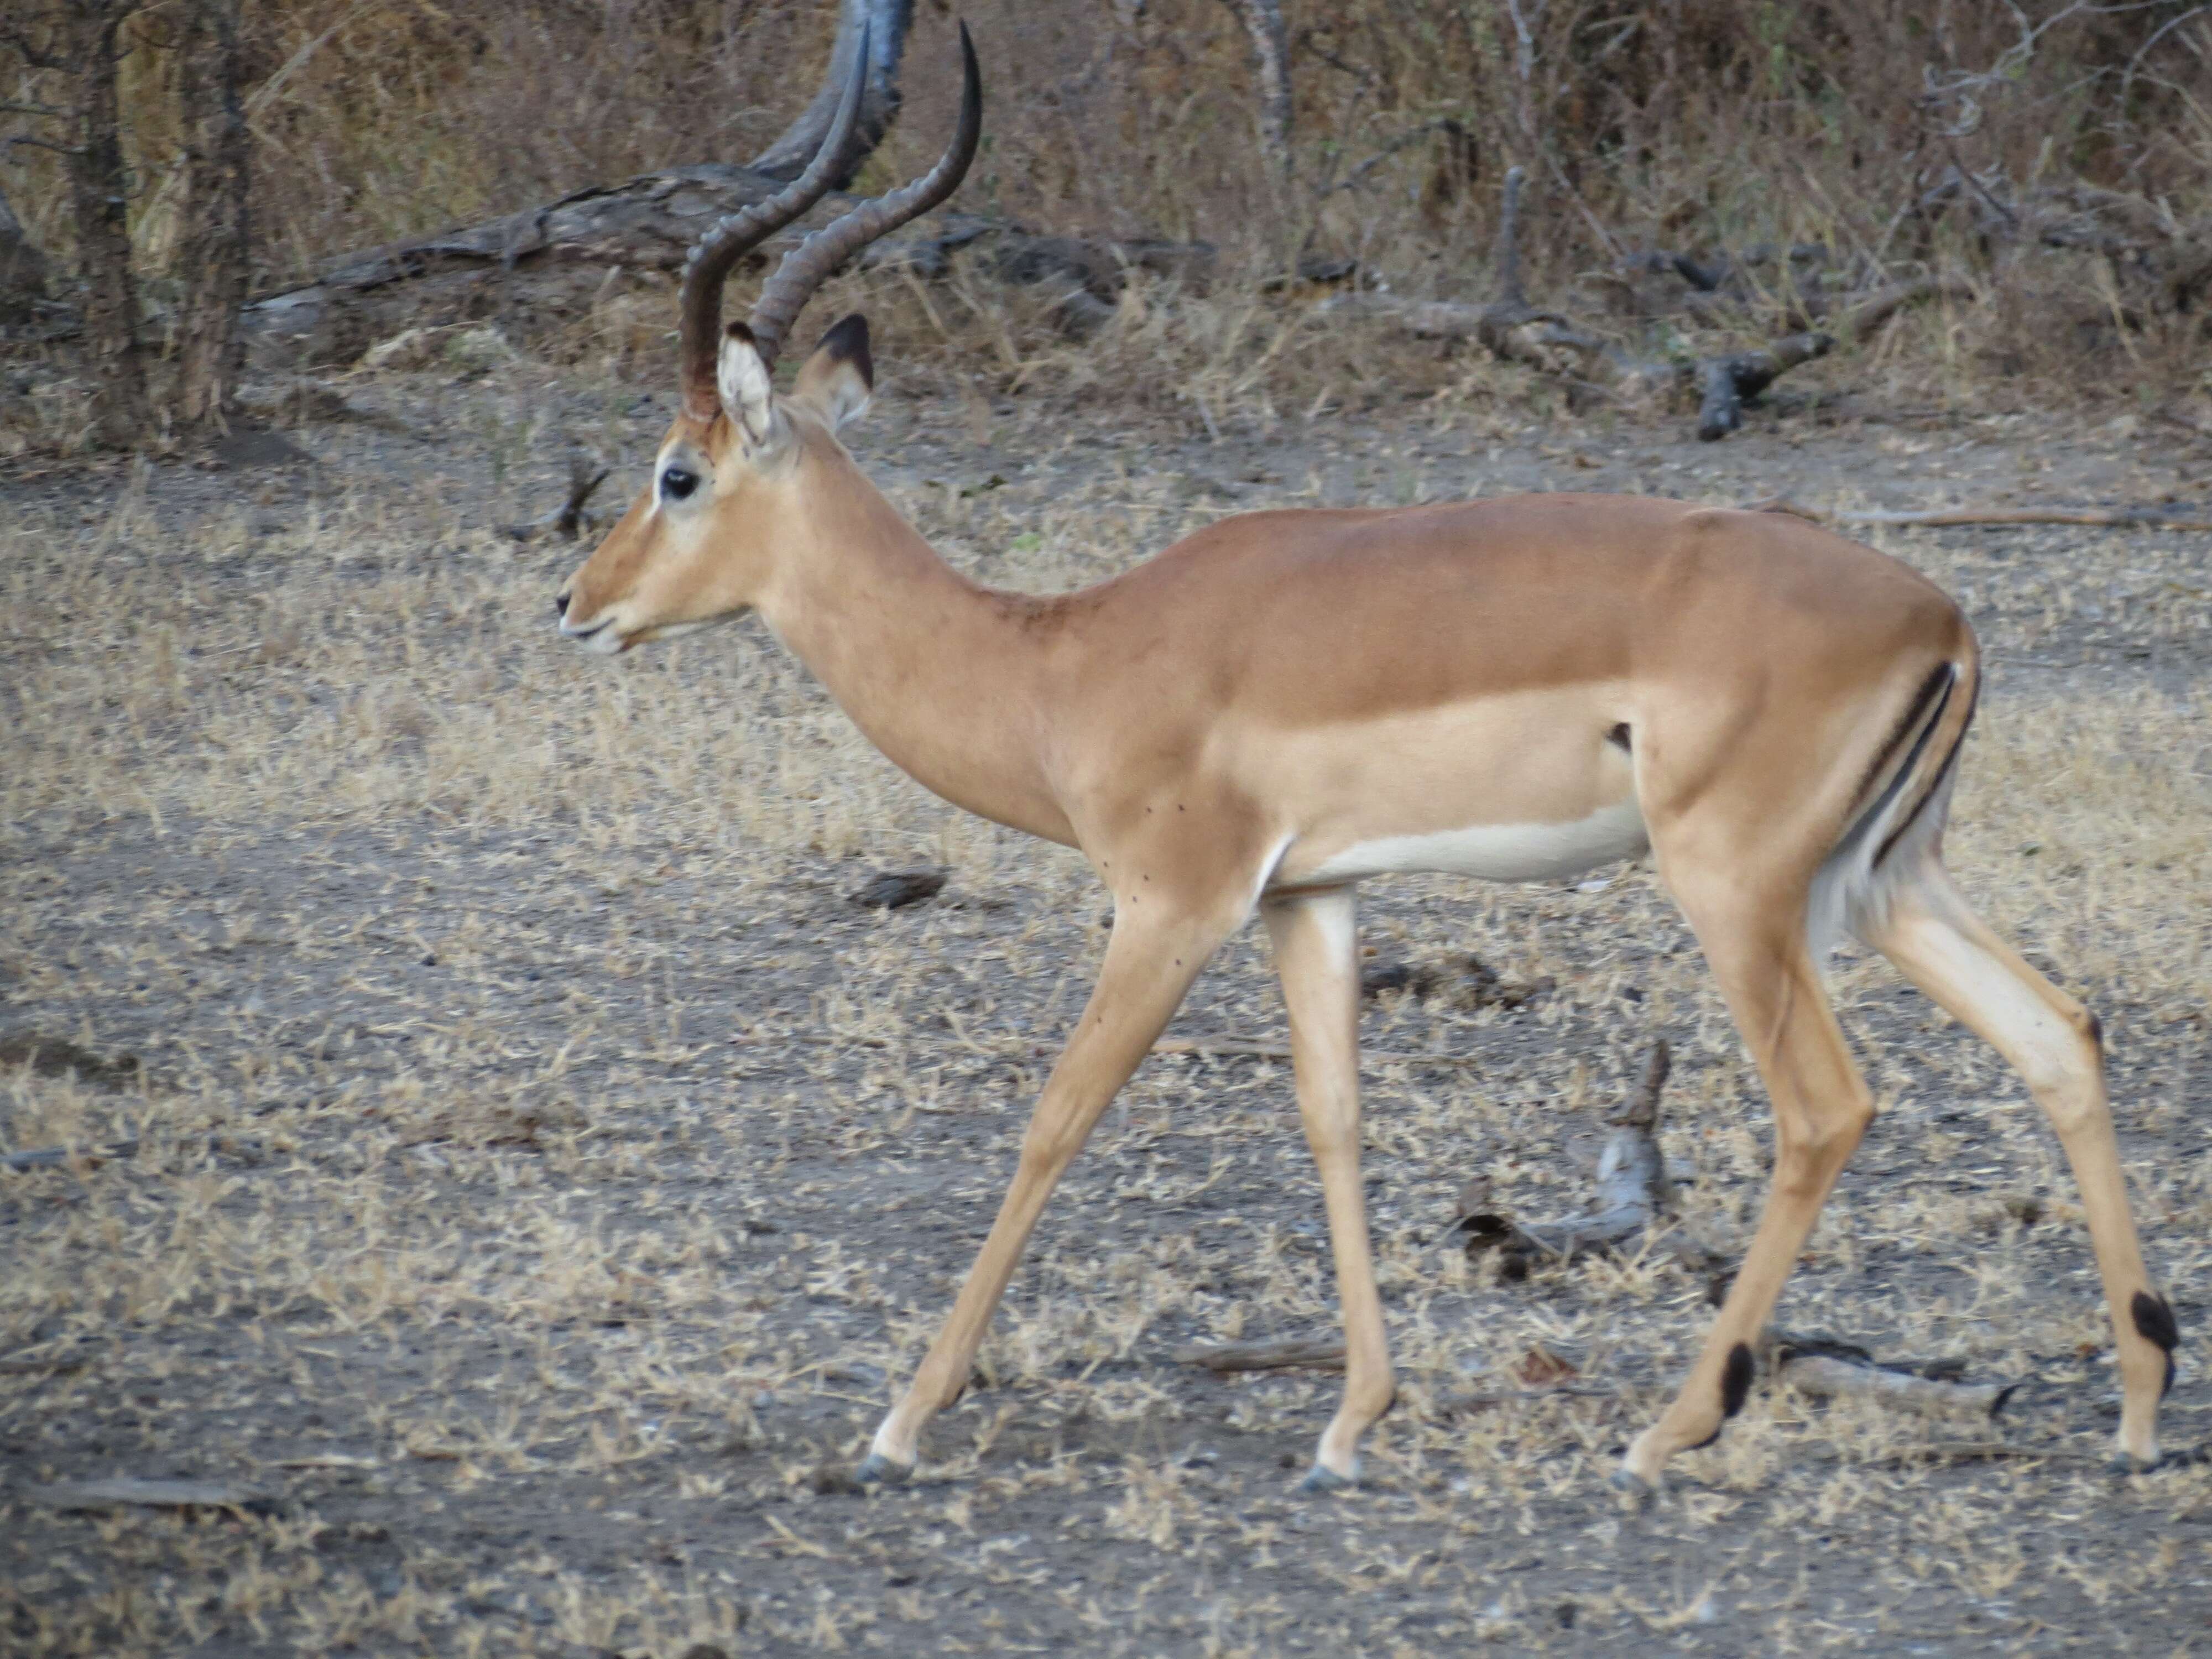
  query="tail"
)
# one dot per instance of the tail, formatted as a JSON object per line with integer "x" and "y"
{"x": 1905, "y": 799}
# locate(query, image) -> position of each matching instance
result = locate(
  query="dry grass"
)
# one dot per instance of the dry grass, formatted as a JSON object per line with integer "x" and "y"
{"x": 1703, "y": 124}
{"x": 544, "y": 1175}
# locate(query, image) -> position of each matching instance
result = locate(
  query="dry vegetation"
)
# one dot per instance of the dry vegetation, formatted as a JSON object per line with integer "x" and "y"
{"x": 1899, "y": 142}
{"x": 540, "y": 1175}
{"x": 543, "y": 1174}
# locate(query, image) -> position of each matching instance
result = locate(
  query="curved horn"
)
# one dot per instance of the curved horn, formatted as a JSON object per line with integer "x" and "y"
{"x": 806, "y": 265}
{"x": 700, "y": 300}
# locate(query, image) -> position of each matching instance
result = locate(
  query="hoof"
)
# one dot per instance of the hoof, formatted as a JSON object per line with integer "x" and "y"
{"x": 1320, "y": 1481}
{"x": 1639, "y": 1491}
{"x": 877, "y": 1470}
{"x": 2127, "y": 1463}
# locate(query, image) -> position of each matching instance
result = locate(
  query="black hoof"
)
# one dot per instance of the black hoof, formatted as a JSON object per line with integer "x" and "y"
{"x": 877, "y": 1470}
{"x": 1320, "y": 1482}
{"x": 1638, "y": 1490}
{"x": 2127, "y": 1463}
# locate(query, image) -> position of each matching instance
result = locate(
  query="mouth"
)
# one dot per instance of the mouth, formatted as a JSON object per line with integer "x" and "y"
{"x": 601, "y": 638}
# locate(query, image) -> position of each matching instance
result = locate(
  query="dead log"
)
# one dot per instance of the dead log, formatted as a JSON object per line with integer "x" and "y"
{"x": 1823, "y": 1376}
{"x": 1634, "y": 1191}
{"x": 1731, "y": 381}
{"x": 548, "y": 264}
{"x": 883, "y": 24}
{"x": 1513, "y": 330}
{"x": 552, "y": 263}
{"x": 1864, "y": 316}
{"x": 1824, "y": 1369}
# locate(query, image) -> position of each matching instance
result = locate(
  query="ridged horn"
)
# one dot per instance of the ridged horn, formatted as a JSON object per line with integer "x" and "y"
{"x": 700, "y": 300}
{"x": 805, "y": 266}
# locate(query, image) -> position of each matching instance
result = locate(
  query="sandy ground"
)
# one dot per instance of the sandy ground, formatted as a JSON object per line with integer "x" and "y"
{"x": 543, "y": 1174}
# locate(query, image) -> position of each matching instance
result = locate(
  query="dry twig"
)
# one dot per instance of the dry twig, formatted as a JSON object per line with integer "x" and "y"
{"x": 2130, "y": 518}
{"x": 1633, "y": 1188}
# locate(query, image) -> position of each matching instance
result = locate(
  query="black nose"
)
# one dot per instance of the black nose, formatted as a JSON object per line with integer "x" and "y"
{"x": 561, "y": 604}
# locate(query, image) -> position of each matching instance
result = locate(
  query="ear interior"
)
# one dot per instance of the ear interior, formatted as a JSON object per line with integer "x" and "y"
{"x": 840, "y": 377}
{"x": 747, "y": 392}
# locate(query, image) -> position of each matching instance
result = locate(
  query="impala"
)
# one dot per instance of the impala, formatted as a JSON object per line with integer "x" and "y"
{"x": 1286, "y": 703}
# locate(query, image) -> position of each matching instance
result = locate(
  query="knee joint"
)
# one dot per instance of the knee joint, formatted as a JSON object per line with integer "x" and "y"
{"x": 2064, "y": 1074}
{"x": 1832, "y": 1133}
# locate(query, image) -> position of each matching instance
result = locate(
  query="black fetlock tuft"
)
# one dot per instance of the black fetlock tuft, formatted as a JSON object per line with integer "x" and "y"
{"x": 2155, "y": 1323}
{"x": 1735, "y": 1381}
{"x": 1735, "y": 1389}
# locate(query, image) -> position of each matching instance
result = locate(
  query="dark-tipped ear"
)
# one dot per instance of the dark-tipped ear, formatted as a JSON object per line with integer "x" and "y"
{"x": 840, "y": 377}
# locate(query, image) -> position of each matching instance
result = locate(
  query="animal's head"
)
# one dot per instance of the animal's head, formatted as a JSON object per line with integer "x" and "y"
{"x": 731, "y": 480}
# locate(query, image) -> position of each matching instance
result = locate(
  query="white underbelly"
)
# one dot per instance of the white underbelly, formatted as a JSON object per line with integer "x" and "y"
{"x": 1496, "y": 851}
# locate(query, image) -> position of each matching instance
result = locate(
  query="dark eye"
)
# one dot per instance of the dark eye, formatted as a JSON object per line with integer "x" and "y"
{"x": 676, "y": 483}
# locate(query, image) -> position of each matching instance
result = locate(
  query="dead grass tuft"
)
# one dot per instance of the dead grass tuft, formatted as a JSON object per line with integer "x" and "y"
{"x": 542, "y": 1173}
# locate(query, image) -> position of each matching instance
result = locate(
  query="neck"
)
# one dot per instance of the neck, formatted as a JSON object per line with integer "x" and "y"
{"x": 940, "y": 674}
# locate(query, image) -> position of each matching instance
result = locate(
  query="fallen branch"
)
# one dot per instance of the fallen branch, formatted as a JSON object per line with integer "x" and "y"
{"x": 1294, "y": 1353}
{"x": 1314, "y": 1353}
{"x": 895, "y": 890}
{"x": 1467, "y": 1402}
{"x": 35, "y": 1366}
{"x": 1843, "y": 1372}
{"x": 1866, "y": 315}
{"x": 151, "y": 1494}
{"x": 2127, "y": 518}
{"x": 584, "y": 476}
{"x": 1633, "y": 1190}
{"x": 1513, "y": 330}
{"x": 1732, "y": 381}
{"x": 55, "y": 1158}
{"x": 1229, "y": 1048}
{"x": 1964, "y": 1449}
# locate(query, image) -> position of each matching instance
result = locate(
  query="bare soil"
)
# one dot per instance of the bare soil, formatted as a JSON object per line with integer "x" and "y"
{"x": 543, "y": 1174}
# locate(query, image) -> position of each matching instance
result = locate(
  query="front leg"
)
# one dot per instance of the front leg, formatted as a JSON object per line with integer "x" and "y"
{"x": 1152, "y": 958}
{"x": 1316, "y": 955}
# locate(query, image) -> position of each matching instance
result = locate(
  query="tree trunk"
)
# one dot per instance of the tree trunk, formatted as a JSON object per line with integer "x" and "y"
{"x": 887, "y": 22}
{"x": 100, "y": 194}
{"x": 1271, "y": 52}
{"x": 211, "y": 346}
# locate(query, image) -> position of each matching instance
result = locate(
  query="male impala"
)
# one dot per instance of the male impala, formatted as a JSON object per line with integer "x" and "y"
{"x": 1285, "y": 703}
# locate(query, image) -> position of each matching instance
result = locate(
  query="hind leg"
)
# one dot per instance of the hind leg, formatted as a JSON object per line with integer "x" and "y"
{"x": 1759, "y": 954}
{"x": 2054, "y": 1043}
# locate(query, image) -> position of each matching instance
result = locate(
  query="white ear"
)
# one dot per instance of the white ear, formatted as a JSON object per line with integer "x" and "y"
{"x": 748, "y": 394}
